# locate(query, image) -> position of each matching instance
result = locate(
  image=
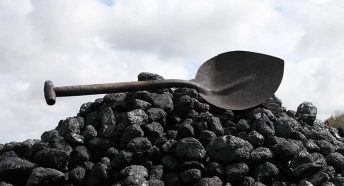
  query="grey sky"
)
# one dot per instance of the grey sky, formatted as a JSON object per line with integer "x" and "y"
{"x": 90, "y": 41}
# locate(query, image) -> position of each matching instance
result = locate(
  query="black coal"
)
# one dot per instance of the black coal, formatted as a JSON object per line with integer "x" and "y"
{"x": 173, "y": 137}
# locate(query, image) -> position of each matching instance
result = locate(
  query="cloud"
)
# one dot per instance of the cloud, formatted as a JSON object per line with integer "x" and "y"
{"x": 90, "y": 41}
{"x": 313, "y": 67}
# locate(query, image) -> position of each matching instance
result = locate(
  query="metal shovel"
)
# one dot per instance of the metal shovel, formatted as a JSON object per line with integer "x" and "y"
{"x": 234, "y": 80}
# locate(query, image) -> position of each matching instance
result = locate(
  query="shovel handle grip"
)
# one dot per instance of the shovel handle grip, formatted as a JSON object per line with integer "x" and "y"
{"x": 49, "y": 92}
{"x": 52, "y": 92}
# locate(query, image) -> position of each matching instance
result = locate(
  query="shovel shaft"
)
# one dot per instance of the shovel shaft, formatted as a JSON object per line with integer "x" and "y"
{"x": 52, "y": 92}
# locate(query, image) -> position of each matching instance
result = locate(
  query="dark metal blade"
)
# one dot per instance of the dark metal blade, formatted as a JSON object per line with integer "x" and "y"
{"x": 239, "y": 80}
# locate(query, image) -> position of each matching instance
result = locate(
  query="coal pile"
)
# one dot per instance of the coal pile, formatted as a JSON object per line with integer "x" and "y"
{"x": 173, "y": 137}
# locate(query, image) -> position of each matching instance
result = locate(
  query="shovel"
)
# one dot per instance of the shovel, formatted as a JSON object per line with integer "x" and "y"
{"x": 234, "y": 80}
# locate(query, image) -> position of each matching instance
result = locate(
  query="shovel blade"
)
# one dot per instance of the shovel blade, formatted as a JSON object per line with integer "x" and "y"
{"x": 240, "y": 80}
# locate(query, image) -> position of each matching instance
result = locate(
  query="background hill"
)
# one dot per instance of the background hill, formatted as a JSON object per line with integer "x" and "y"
{"x": 336, "y": 121}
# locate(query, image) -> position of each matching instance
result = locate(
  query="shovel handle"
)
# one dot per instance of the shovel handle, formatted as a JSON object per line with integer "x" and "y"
{"x": 52, "y": 92}
{"x": 49, "y": 92}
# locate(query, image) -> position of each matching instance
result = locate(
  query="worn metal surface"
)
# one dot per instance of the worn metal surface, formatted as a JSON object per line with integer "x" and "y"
{"x": 233, "y": 80}
{"x": 239, "y": 80}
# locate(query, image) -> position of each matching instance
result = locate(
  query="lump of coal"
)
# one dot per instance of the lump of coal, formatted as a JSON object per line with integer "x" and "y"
{"x": 163, "y": 101}
{"x": 154, "y": 130}
{"x": 46, "y": 176}
{"x": 190, "y": 148}
{"x": 140, "y": 104}
{"x": 136, "y": 116}
{"x": 263, "y": 125}
{"x": 236, "y": 172}
{"x": 190, "y": 175}
{"x": 214, "y": 181}
{"x": 70, "y": 125}
{"x": 130, "y": 133}
{"x": 265, "y": 172}
{"x": 255, "y": 138}
{"x": 79, "y": 155}
{"x": 285, "y": 127}
{"x": 170, "y": 162}
{"x": 107, "y": 117}
{"x": 229, "y": 149}
{"x": 145, "y": 76}
{"x": 215, "y": 125}
{"x": 336, "y": 160}
{"x": 214, "y": 168}
{"x": 156, "y": 114}
{"x": 11, "y": 167}
{"x": 141, "y": 147}
{"x": 285, "y": 150}
{"x": 97, "y": 175}
{"x": 89, "y": 133}
{"x": 114, "y": 97}
{"x": 53, "y": 158}
{"x": 261, "y": 154}
{"x": 306, "y": 113}
{"x": 75, "y": 138}
{"x": 77, "y": 175}
{"x": 138, "y": 170}
{"x": 99, "y": 146}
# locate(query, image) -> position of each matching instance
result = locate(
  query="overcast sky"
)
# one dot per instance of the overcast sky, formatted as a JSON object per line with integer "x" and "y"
{"x": 91, "y": 41}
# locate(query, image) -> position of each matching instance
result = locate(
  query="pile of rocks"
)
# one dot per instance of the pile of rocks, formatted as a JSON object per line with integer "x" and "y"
{"x": 173, "y": 137}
